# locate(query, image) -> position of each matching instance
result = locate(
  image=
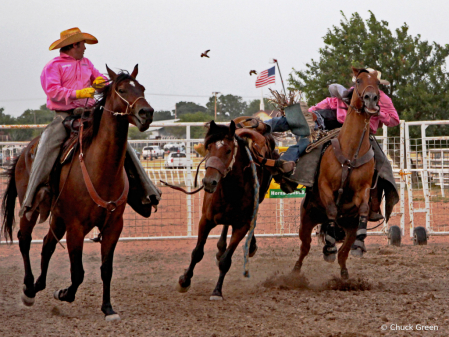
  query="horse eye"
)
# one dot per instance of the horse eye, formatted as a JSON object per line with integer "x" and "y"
{"x": 358, "y": 81}
{"x": 121, "y": 91}
{"x": 228, "y": 152}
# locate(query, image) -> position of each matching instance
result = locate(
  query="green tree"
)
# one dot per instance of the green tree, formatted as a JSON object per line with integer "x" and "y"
{"x": 415, "y": 68}
{"x": 187, "y": 108}
{"x": 196, "y": 132}
{"x": 228, "y": 107}
{"x": 162, "y": 115}
{"x": 254, "y": 106}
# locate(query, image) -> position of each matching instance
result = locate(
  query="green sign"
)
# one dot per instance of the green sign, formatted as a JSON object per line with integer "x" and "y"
{"x": 277, "y": 194}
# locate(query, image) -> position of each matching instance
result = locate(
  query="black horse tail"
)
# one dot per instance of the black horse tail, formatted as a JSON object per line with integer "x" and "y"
{"x": 9, "y": 201}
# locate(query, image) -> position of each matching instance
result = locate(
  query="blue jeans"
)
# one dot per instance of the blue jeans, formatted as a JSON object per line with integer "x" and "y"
{"x": 280, "y": 124}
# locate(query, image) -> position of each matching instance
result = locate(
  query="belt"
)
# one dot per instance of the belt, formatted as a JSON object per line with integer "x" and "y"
{"x": 70, "y": 112}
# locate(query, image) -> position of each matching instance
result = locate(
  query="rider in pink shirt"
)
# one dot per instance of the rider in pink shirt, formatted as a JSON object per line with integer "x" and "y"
{"x": 387, "y": 113}
{"x": 63, "y": 76}
{"x": 69, "y": 81}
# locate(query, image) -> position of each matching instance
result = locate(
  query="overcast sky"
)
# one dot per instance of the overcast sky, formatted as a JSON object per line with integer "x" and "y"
{"x": 167, "y": 37}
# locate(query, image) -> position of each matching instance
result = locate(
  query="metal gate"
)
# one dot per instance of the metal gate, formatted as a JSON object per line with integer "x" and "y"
{"x": 427, "y": 178}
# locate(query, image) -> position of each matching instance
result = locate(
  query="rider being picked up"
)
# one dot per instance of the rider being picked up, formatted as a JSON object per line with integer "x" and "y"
{"x": 330, "y": 114}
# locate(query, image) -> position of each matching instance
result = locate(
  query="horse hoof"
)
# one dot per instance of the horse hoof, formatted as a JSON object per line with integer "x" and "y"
{"x": 330, "y": 258}
{"x": 358, "y": 252}
{"x": 254, "y": 252}
{"x": 56, "y": 294}
{"x": 344, "y": 275}
{"x": 28, "y": 301}
{"x": 113, "y": 317}
{"x": 181, "y": 289}
{"x": 216, "y": 298}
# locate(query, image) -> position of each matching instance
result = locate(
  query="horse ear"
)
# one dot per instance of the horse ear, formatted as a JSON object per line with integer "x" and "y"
{"x": 135, "y": 71}
{"x": 111, "y": 74}
{"x": 355, "y": 71}
{"x": 212, "y": 125}
{"x": 232, "y": 129}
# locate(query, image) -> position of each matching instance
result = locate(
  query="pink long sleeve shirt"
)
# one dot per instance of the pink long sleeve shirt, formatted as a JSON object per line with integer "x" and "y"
{"x": 62, "y": 77}
{"x": 387, "y": 114}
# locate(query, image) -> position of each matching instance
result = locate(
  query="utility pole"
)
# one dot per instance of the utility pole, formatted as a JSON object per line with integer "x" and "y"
{"x": 280, "y": 75}
{"x": 215, "y": 93}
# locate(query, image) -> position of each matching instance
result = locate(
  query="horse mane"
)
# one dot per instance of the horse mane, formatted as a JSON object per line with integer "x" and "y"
{"x": 93, "y": 123}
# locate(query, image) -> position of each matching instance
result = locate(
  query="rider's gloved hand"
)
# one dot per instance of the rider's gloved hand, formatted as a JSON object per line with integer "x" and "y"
{"x": 99, "y": 83}
{"x": 85, "y": 93}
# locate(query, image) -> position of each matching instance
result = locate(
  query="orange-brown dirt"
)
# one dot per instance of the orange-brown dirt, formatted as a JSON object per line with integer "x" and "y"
{"x": 390, "y": 285}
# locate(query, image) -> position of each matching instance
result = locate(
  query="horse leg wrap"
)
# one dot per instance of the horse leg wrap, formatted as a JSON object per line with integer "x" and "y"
{"x": 361, "y": 234}
{"x": 329, "y": 239}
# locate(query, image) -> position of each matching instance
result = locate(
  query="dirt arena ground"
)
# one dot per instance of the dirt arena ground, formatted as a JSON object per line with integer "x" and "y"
{"x": 406, "y": 286}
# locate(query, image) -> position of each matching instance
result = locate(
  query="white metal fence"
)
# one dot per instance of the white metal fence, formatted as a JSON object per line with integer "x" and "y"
{"x": 421, "y": 165}
{"x": 427, "y": 178}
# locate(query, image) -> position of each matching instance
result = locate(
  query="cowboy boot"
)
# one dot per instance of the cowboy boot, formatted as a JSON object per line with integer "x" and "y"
{"x": 143, "y": 194}
{"x": 38, "y": 194}
{"x": 374, "y": 212}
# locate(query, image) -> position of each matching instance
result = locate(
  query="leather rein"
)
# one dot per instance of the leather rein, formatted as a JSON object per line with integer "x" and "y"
{"x": 110, "y": 206}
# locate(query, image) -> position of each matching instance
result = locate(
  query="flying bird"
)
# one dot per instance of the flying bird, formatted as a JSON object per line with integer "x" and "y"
{"x": 205, "y": 53}
{"x": 252, "y": 72}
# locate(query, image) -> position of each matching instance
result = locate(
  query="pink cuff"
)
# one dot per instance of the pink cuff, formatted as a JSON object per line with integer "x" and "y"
{"x": 384, "y": 117}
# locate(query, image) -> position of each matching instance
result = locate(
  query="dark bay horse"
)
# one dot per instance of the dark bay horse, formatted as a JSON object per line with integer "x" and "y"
{"x": 345, "y": 177}
{"x": 229, "y": 199}
{"x": 75, "y": 212}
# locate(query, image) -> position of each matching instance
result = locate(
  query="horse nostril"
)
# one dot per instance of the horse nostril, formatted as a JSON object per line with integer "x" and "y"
{"x": 214, "y": 183}
{"x": 375, "y": 98}
{"x": 366, "y": 97}
{"x": 146, "y": 113}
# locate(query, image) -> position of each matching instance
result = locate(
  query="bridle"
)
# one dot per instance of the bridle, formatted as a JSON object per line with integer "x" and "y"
{"x": 356, "y": 89}
{"x": 216, "y": 163}
{"x": 128, "y": 106}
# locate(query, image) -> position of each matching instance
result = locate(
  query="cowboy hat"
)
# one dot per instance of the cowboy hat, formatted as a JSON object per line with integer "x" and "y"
{"x": 72, "y": 35}
{"x": 371, "y": 70}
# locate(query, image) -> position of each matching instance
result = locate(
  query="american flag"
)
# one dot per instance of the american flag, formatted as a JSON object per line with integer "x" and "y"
{"x": 266, "y": 77}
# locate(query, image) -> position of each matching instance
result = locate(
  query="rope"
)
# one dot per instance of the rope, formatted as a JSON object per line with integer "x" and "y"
{"x": 330, "y": 134}
{"x": 252, "y": 226}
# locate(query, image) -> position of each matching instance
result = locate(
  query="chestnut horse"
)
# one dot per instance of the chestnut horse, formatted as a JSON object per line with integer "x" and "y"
{"x": 345, "y": 177}
{"x": 229, "y": 199}
{"x": 75, "y": 212}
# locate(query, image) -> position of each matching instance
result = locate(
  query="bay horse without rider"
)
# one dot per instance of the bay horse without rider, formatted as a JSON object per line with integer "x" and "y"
{"x": 345, "y": 178}
{"x": 229, "y": 198}
{"x": 101, "y": 154}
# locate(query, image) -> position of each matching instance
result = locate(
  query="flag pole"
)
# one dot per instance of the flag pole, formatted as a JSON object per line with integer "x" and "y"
{"x": 262, "y": 105}
{"x": 282, "y": 81}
